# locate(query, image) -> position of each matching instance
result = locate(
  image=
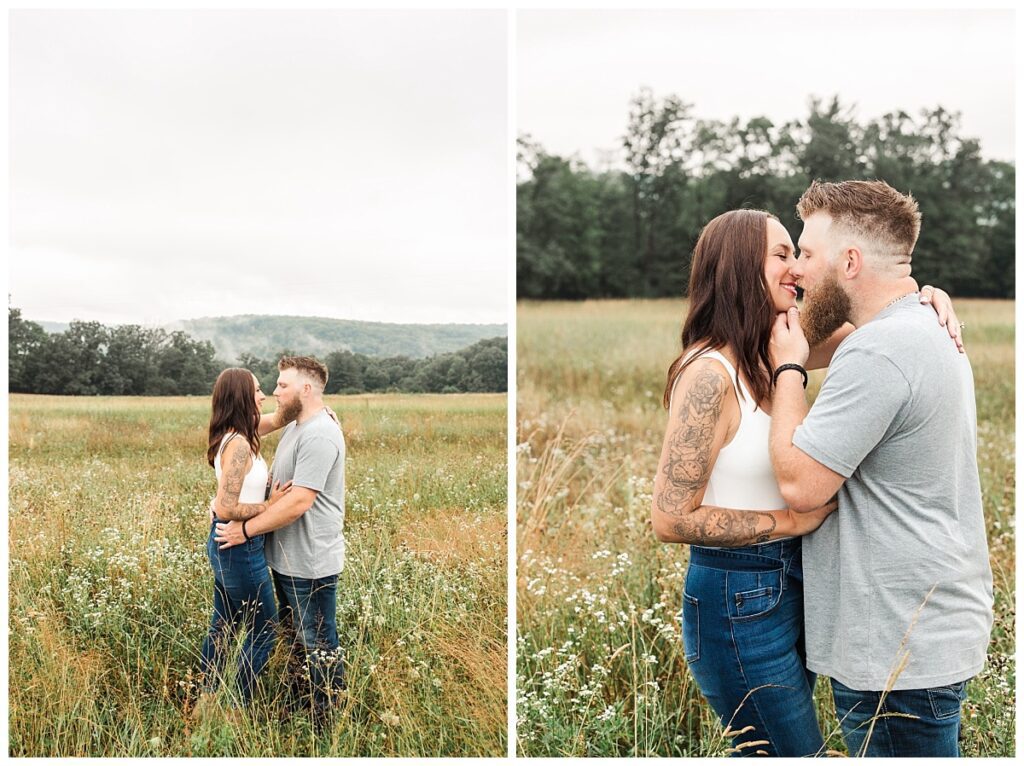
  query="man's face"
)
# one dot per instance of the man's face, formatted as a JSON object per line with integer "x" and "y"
{"x": 289, "y": 394}
{"x": 815, "y": 246}
{"x": 826, "y": 302}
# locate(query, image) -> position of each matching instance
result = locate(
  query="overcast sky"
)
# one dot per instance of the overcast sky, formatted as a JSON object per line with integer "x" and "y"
{"x": 174, "y": 164}
{"x": 577, "y": 70}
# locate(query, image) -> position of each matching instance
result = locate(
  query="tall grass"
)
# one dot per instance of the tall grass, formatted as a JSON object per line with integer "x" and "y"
{"x": 601, "y": 669}
{"x": 111, "y": 593}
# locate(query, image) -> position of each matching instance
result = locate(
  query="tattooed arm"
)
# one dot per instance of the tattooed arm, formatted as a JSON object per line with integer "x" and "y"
{"x": 235, "y": 461}
{"x": 704, "y": 409}
{"x": 281, "y": 514}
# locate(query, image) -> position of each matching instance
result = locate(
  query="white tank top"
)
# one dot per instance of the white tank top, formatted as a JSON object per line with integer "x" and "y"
{"x": 254, "y": 486}
{"x": 742, "y": 477}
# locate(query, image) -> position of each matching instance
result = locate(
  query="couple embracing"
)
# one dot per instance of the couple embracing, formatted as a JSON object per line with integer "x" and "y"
{"x": 288, "y": 518}
{"x": 845, "y": 540}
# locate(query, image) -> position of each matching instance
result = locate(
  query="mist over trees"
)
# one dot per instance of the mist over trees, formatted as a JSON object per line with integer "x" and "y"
{"x": 90, "y": 359}
{"x": 630, "y": 231}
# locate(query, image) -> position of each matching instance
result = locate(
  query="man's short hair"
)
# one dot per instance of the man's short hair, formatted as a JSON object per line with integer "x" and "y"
{"x": 888, "y": 221}
{"x": 312, "y": 368}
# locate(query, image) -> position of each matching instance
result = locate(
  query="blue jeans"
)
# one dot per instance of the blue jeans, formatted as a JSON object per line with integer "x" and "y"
{"x": 933, "y": 731}
{"x": 242, "y": 599}
{"x": 312, "y": 607}
{"x": 743, "y": 632}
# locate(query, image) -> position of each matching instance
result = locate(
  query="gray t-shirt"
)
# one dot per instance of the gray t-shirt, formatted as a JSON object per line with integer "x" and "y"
{"x": 311, "y": 455}
{"x": 896, "y": 416}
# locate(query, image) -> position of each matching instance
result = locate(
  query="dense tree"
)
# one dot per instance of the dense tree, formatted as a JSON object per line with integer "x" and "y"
{"x": 130, "y": 363}
{"x": 560, "y": 215}
{"x": 629, "y": 231}
{"x": 25, "y": 349}
{"x": 80, "y": 349}
{"x": 91, "y": 359}
{"x": 346, "y": 372}
{"x": 657, "y": 142}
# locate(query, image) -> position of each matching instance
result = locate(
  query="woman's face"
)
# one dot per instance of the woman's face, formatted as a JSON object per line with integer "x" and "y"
{"x": 260, "y": 396}
{"x": 777, "y": 274}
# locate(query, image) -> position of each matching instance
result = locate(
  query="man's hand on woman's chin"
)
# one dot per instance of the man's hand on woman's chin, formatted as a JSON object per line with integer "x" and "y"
{"x": 229, "y": 534}
{"x": 788, "y": 344}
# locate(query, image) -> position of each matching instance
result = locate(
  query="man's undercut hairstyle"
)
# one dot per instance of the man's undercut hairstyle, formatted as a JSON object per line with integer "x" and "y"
{"x": 886, "y": 222}
{"x": 312, "y": 368}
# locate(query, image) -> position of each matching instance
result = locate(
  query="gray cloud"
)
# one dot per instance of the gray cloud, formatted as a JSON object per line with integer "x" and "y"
{"x": 170, "y": 164}
{"x": 576, "y": 70}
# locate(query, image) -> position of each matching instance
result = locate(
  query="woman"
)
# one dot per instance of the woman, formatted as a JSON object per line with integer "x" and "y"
{"x": 243, "y": 594}
{"x": 715, "y": 490}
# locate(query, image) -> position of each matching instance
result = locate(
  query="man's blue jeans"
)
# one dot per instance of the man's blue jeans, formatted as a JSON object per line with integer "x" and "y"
{"x": 743, "y": 624}
{"x": 933, "y": 731}
{"x": 243, "y": 599}
{"x": 312, "y": 606}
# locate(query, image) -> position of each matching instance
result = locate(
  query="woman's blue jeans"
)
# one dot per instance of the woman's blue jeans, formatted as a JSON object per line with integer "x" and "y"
{"x": 743, "y": 631}
{"x": 243, "y": 599}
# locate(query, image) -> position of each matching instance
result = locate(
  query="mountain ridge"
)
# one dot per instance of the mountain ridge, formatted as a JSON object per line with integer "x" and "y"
{"x": 265, "y": 336}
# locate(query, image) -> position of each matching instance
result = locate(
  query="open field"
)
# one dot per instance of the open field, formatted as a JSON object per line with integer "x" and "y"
{"x": 599, "y": 648}
{"x": 111, "y": 593}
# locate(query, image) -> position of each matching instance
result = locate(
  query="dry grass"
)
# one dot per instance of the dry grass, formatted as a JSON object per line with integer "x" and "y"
{"x": 600, "y": 663}
{"x": 111, "y": 592}
{"x": 447, "y": 537}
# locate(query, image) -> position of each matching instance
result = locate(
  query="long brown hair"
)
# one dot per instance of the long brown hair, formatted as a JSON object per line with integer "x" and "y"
{"x": 729, "y": 299}
{"x": 234, "y": 409}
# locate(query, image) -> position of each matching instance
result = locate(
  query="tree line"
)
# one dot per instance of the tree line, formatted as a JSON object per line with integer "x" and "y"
{"x": 91, "y": 359}
{"x": 628, "y": 230}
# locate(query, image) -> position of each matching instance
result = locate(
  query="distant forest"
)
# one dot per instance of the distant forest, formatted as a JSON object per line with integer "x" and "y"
{"x": 90, "y": 359}
{"x": 630, "y": 231}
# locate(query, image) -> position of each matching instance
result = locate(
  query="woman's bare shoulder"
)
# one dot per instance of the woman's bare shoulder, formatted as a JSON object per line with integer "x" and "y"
{"x": 235, "y": 445}
{"x": 707, "y": 381}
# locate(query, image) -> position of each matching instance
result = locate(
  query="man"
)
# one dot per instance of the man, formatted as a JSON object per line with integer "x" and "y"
{"x": 897, "y": 586}
{"x": 306, "y": 547}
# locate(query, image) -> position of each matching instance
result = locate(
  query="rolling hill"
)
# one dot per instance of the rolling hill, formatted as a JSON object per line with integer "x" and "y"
{"x": 266, "y": 336}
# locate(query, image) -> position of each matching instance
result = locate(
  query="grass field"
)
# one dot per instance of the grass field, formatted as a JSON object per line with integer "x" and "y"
{"x": 111, "y": 592}
{"x": 599, "y": 651}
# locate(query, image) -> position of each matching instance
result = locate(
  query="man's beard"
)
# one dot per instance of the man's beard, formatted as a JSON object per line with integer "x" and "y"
{"x": 291, "y": 410}
{"x": 826, "y": 308}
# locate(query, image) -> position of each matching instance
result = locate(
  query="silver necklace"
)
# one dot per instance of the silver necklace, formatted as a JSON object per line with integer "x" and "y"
{"x": 897, "y": 300}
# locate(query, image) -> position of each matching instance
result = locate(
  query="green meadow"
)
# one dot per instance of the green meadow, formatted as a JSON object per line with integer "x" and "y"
{"x": 600, "y": 667}
{"x": 111, "y": 592}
